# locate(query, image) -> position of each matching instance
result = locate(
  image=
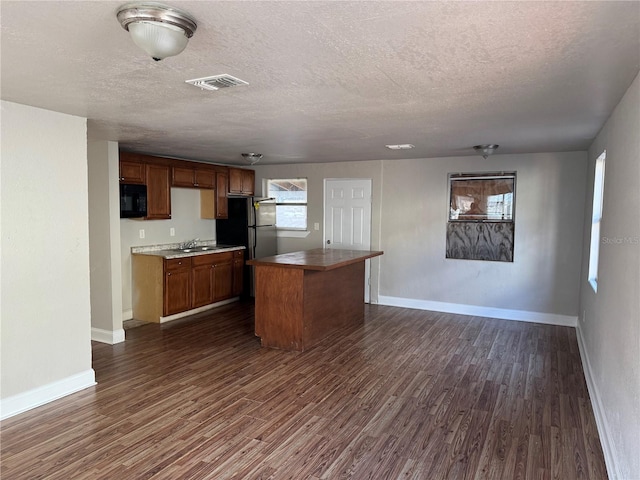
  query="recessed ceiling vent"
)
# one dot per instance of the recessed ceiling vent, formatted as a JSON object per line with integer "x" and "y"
{"x": 217, "y": 82}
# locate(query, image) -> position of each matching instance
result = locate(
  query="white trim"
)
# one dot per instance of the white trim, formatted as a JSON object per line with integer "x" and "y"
{"x": 604, "y": 431}
{"x": 127, "y": 315}
{"x": 475, "y": 310}
{"x": 176, "y": 316}
{"x": 107, "y": 336}
{"x": 283, "y": 233}
{"x": 22, "y": 402}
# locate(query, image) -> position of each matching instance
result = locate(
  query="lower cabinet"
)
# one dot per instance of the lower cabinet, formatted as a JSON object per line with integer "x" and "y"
{"x": 238, "y": 269}
{"x": 163, "y": 287}
{"x": 177, "y": 285}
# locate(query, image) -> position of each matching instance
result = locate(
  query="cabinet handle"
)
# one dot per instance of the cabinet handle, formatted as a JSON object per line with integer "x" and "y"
{"x": 169, "y": 274}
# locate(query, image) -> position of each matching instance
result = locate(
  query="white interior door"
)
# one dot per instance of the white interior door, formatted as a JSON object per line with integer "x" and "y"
{"x": 347, "y": 218}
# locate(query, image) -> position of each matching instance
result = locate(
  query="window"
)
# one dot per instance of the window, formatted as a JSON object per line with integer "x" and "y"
{"x": 596, "y": 217}
{"x": 482, "y": 197}
{"x": 291, "y": 202}
{"x": 481, "y": 216}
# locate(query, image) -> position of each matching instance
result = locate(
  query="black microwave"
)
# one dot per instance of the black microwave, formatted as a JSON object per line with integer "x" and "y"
{"x": 133, "y": 201}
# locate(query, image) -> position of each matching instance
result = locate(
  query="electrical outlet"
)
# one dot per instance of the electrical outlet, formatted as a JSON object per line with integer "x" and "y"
{"x": 172, "y": 232}
{"x": 142, "y": 233}
{"x": 316, "y": 226}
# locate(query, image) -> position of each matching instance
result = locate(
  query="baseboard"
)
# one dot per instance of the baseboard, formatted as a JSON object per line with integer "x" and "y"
{"x": 127, "y": 315}
{"x": 22, "y": 402}
{"x": 478, "y": 311}
{"x": 107, "y": 336}
{"x": 598, "y": 411}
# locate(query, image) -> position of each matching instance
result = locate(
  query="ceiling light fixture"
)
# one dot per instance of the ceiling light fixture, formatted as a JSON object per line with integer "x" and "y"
{"x": 402, "y": 146}
{"x": 486, "y": 150}
{"x": 252, "y": 158}
{"x": 159, "y": 30}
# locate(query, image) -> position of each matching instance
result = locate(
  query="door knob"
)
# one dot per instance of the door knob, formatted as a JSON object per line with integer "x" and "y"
{"x": 328, "y": 242}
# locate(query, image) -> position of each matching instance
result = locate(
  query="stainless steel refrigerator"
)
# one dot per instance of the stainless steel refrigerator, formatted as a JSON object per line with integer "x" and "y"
{"x": 252, "y": 223}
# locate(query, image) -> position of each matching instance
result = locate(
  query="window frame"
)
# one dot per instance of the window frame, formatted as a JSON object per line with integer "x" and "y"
{"x": 596, "y": 219}
{"x": 293, "y": 231}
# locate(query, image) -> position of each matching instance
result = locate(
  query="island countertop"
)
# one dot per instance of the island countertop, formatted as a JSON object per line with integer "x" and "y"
{"x": 321, "y": 259}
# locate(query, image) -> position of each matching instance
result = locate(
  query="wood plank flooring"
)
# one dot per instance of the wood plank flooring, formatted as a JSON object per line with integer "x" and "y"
{"x": 409, "y": 394}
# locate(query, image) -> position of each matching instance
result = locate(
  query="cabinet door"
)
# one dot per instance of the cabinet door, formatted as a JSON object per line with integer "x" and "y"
{"x": 238, "y": 267}
{"x": 235, "y": 180}
{"x": 158, "y": 192}
{"x": 131, "y": 172}
{"x": 182, "y": 177}
{"x": 205, "y": 178}
{"x": 177, "y": 291}
{"x": 223, "y": 280}
{"x": 248, "y": 182}
{"x": 202, "y": 285}
{"x": 241, "y": 181}
{"x": 222, "y": 204}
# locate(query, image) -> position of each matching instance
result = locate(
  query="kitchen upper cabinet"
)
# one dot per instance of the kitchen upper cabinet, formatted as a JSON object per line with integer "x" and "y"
{"x": 222, "y": 203}
{"x": 193, "y": 177}
{"x": 214, "y": 204}
{"x": 177, "y": 285}
{"x": 242, "y": 181}
{"x": 132, "y": 173}
{"x": 158, "y": 192}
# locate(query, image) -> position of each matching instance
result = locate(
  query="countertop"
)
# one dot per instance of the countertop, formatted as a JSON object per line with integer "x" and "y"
{"x": 170, "y": 253}
{"x": 318, "y": 259}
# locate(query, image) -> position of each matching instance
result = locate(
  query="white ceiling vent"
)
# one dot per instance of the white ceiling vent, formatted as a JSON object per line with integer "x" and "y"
{"x": 216, "y": 82}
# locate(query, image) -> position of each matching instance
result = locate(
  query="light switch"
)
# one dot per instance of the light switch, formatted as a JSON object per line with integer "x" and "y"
{"x": 172, "y": 232}
{"x": 142, "y": 233}
{"x": 316, "y": 226}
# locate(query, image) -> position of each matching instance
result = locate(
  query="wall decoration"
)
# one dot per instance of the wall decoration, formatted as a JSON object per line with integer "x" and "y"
{"x": 481, "y": 214}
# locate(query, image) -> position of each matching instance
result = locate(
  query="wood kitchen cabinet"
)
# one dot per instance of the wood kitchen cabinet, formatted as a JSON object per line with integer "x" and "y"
{"x": 242, "y": 181}
{"x": 192, "y": 177}
{"x": 214, "y": 204}
{"x": 222, "y": 202}
{"x": 164, "y": 287}
{"x": 133, "y": 173}
{"x": 158, "y": 192}
{"x": 177, "y": 285}
{"x": 238, "y": 271}
{"x": 223, "y": 276}
{"x": 202, "y": 279}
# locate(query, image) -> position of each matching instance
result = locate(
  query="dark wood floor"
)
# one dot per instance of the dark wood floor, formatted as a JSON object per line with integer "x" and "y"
{"x": 410, "y": 394}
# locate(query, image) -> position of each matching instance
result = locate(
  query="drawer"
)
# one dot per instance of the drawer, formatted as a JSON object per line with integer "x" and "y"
{"x": 223, "y": 257}
{"x": 177, "y": 263}
{"x": 208, "y": 259}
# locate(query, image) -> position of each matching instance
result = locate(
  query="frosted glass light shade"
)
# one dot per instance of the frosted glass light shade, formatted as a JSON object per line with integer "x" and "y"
{"x": 159, "y": 40}
{"x": 158, "y": 29}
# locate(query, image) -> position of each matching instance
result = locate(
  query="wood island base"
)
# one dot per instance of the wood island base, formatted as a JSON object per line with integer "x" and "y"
{"x": 298, "y": 304}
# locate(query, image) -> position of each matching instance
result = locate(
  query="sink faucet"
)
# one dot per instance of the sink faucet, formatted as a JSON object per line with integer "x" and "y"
{"x": 189, "y": 243}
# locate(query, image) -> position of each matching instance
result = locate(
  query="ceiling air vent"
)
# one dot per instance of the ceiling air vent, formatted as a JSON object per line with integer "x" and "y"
{"x": 216, "y": 82}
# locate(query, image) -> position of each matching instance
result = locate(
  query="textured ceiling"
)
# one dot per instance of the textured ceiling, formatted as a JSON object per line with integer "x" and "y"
{"x": 332, "y": 81}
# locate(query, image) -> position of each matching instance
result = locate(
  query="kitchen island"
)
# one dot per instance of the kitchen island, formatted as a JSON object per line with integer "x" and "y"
{"x": 302, "y": 297}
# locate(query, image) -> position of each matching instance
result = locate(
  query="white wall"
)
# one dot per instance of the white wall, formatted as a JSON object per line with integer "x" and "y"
{"x": 409, "y": 217}
{"x": 45, "y": 342}
{"x": 185, "y": 218}
{"x": 609, "y": 327}
{"x": 104, "y": 242}
{"x": 544, "y": 276}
